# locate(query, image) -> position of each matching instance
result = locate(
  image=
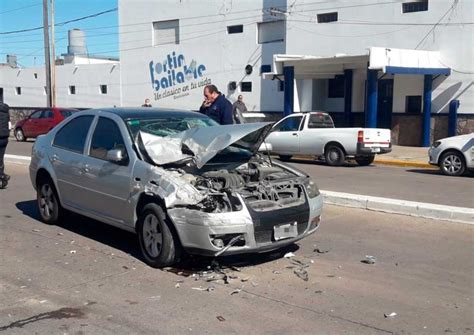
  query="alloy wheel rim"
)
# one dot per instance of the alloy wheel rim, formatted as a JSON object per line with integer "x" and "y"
{"x": 47, "y": 201}
{"x": 334, "y": 155}
{"x": 19, "y": 135}
{"x": 152, "y": 236}
{"x": 452, "y": 164}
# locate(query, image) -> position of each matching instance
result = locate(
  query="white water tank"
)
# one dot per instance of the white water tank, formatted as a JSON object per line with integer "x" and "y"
{"x": 77, "y": 42}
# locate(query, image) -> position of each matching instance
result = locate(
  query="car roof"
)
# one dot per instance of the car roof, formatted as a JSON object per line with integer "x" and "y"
{"x": 127, "y": 113}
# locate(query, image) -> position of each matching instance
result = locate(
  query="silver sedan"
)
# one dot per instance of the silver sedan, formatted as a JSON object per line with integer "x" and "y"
{"x": 175, "y": 178}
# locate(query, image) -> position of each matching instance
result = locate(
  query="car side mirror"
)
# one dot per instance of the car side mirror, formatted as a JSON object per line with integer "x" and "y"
{"x": 116, "y": 156}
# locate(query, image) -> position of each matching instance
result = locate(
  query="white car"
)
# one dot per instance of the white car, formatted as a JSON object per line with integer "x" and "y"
{"x": 454, "y": 155}
{"x": 314, "y": 134}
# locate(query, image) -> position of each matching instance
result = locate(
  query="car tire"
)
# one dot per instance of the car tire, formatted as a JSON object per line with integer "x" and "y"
{"x": 159, "y": 244}
{"x": 452, "y": 163}
{"x": 20, "y": 135}
{"x": 365, "y": 161}
{"x": 285, "y": 158}
{"x": 49, "y": 206}
{"x": 334, "y": 155}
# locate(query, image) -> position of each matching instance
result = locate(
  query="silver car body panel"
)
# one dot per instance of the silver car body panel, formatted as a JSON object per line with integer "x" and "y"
{"x": 110, "y": 193}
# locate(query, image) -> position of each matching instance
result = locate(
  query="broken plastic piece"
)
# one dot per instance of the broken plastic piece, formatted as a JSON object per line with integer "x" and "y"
{"x": 319, "y": 251}
{"x": 302, "y": 274}
{"x": 391, "y": 315}
{"x": 369, "y": 259}
{"x": 289, "y": 254}
{"x": 220, "y": 318}
{"x": 237, "y": 290}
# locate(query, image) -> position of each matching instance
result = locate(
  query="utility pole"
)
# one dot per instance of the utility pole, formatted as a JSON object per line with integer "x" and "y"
{"x": 53, "y": 60}
{"x": 47, "y": 57}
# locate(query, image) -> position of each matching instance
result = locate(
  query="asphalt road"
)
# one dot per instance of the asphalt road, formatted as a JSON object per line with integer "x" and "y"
{"x": 84, "y": 277}
{"x": 415, "y": 184}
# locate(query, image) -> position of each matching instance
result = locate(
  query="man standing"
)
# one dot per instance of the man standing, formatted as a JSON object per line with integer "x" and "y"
{"x": 216, "y": 106}
{"x": 238, "y": 108}
{"x": 147, "y": 103}
{"x": 4, "y": 133}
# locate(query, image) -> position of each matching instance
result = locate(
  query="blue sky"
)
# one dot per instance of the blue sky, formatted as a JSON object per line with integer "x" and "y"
{"x": 101, "y": 32}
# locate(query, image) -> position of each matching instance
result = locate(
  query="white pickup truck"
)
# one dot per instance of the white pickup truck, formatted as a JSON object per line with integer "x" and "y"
{"x": 314, "y": 134}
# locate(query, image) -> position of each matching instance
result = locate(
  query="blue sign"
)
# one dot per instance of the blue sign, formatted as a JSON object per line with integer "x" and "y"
{"x": 174, "y": 71}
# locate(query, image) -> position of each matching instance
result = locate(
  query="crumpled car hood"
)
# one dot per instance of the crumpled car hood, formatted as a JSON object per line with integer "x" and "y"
{"x": 205, "y": 142}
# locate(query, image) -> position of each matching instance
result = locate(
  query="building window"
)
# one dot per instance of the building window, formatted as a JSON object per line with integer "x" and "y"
{"x": 166, "y": 32}
{"x": 36, "y": 75}
{"x": 246, "y": 86}
{"x": 270, "y": 32}
{"x": 336, "y": 87}
{"x": 327, "y": 17}
{"x": 72, "y": 89}
{"x": 237, "y": 29}
{"x": 103, "y": 89}
{"x": 17, "y": 90}
{"x": 265, "y": 68}
{"x": 413, "y": 104}
{"x": 415, "y": 6}
{"x": 281, "y": 86}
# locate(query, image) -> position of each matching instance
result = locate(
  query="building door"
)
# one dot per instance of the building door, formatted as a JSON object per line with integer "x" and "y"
{"x": 385, "y": 103}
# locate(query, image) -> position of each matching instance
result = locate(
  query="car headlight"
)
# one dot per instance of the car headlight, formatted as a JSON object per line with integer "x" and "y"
{"x": 436, "y": 144}
{"x": 312, "y": 188}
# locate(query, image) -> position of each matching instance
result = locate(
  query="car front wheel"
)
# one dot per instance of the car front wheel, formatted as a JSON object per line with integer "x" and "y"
{"x": 285, "y": 158}
{"x": 159, "y": 246}
{"x": 48, "y": 202}
{"x": 20, "y": 135}
{"x": 452, "y": 164}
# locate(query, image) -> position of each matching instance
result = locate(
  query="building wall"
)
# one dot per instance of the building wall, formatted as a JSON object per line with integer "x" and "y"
{"x": 86, "y": 78}
{"x": 204, "y": 39}
{"x": 454, "y": 42}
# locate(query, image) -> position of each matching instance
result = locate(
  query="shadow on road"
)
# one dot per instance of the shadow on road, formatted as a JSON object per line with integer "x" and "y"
{"x": 436, "y": 172}
{"x": 348, "y": 164}
{"x": 128, "y": 243}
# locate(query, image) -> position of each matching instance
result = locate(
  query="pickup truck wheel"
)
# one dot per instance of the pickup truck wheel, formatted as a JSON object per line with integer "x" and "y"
{"x": 285, "y": 158}
{"x": 159, "y": 246}
{"x": 452, "y": 164}
{"x": 334, "y": 155}
{"x": 20, "y": 135}
{"x": 364, "y": 161}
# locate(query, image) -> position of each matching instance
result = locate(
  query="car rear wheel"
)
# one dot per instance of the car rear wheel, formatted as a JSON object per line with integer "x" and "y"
{"x": 366, "y": 160}
{"x": 452, "y": 164}
{"x": 20, "y": 135}
{"x": 285, "y": 158}
{"x": 334, "y": 155}
{"x": 49, "y": 207}
{"x": 159, "y": 246}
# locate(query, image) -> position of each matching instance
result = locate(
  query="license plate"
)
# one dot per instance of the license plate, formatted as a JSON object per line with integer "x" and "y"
{"x": 375, "y": 149}
{"x": 287, "y": 230}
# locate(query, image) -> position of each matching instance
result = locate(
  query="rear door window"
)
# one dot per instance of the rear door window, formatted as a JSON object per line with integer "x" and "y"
{"x": 320, "y": 121}
{"x": 73, "y": 135}
{"x": 36, "y": 115}
{"x": 47, "y": 114}
{"x": 107, "y": 136}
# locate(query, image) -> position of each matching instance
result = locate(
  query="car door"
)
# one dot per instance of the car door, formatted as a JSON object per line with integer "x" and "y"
{"x": 30, "y": 127}
{"x": 284, "y": 137}
{"x": 316, "y": 134}
{"x": 67, "y": 158}
{"x": 108, "y": 183}
{"x": 45, "y": 123}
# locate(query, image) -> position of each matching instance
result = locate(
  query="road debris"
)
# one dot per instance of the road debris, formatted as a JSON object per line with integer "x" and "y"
{"x": 73, "y": 252}
{"x": 236, "y": 291}
{"x": 220, "y": 318}
{"x": 36, "y": 230}
{"x": 208, "y": 289}
{"x": 391, "y": 315}
{"x": 302, "y": 274}
{"x": 369, "y": 259}
{"x": 289, "y": 255}
{"x": 60, "y": 234}
{"x": 276, "y": 272}
{"x": 320, "y": 251}
{"x": 177, "y": 285}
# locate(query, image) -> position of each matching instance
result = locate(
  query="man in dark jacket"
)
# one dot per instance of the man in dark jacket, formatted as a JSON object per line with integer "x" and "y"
{"x": 4, "y": 132}
{"x": 216, "y": 106}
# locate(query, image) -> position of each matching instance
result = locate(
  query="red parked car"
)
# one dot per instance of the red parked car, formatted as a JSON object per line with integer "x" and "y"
{"x": 41, "y": 122}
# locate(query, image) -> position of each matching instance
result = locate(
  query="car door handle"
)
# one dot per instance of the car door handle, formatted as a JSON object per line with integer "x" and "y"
{"x": 54, "y": 158}
{"x": 86, "y": 168}
{"x": 295, "y": 134}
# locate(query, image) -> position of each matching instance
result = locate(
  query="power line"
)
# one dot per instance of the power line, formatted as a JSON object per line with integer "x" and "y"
{"x": 60, "y": 23}
{"x": 19, "y": 8}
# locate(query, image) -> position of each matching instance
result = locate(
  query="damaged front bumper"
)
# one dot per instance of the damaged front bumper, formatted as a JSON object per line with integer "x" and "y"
{"x": 209, "y": 234}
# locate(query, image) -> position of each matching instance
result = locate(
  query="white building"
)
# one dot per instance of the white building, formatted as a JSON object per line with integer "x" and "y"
{"x": 82, "y": 81}
{"x": 416, "y": 55}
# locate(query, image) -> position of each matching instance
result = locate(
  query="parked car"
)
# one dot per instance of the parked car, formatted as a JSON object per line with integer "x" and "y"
{"x": 40, "y": 122}
{"x": 314, "y": 134}
{"x": 454, "y": 155}
{"x": 176, "y": 179}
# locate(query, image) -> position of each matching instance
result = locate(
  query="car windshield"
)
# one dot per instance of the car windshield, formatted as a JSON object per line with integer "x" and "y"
{"x": 167, "y": 126}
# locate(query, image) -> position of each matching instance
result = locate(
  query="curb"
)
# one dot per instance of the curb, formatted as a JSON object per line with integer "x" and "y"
{"x": 385, "y": 205}
{"x": 15, "y": 159}
{"x": 404, "y": 207}
{"x": 402, "y": 163}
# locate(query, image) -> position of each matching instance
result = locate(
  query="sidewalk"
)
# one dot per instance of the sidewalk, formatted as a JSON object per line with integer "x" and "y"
{"x": 405, "y": 156}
